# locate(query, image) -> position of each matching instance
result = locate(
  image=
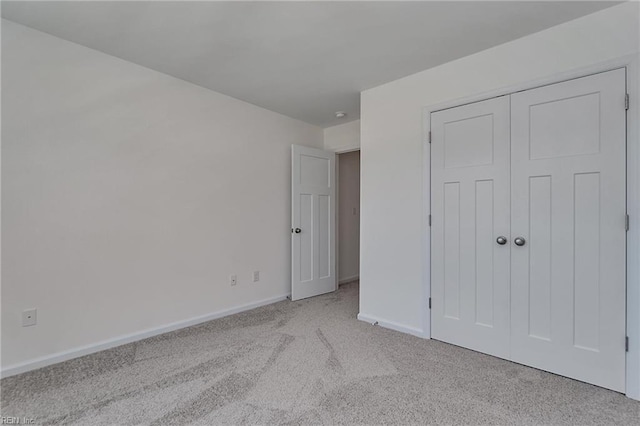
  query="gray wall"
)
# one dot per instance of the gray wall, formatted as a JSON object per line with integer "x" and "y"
{"x": 130, "y": 196}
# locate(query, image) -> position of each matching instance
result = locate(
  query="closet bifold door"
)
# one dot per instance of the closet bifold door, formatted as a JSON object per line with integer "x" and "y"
{"x": 568, "y": 236}
{"x": 470, "y": 226}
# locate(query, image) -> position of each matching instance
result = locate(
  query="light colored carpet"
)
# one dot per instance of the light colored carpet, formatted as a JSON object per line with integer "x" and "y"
{"x": 306, "y": 362}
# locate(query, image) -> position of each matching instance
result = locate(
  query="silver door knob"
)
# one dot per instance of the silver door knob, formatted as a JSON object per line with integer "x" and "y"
{"x": 501, "y": 240}
{"x": 519, "y": 241}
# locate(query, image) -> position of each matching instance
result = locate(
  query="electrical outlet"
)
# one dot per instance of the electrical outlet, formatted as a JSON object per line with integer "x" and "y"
{"x": 256, "y": 276}
{"x": 233, "y": 279}
{"x": 29, "y": 317}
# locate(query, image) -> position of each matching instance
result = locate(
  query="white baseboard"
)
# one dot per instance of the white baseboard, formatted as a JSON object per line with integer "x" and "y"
{"x": 392, "y": 325}
{"x": 348, "y": 279}
{"x": 55, "y": 358}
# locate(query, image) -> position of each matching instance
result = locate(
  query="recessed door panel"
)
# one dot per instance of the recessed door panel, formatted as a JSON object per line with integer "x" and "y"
{"x": 305, "y": 247}
{"x": 324, "y": 236}
{"x": 569, "y": 119}
{"x": 458, "y": 152}
{"x": 539, "y": 279}
{"x": 314, "y": 170}
{"x": 586, "y": 260}
{"x": 484, "y": 242}
{"x": 451, "y": 250}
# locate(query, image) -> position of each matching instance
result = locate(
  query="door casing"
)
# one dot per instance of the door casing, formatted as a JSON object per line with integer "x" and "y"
{"x": 633, "y": 197}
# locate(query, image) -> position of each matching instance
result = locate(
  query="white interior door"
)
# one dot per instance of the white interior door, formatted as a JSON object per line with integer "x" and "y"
{"x": 313, "y": 270}
{"x": 568, "y": 205}
{"x": 470, "y": 211}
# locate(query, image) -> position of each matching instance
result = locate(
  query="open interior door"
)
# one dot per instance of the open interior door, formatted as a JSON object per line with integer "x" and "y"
{"x": 312, "y": 222}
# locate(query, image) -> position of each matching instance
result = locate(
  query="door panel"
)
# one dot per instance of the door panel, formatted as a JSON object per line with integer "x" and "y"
{"x": 451, "y": 250}
{"x": 324, "y": 237}
{"x": 313, "y": 211}
{"x": 305, "y": 240}
{"x": 540, "y": 255}
{"x": 470, "y": 209}
{"x": 568, "y": 203}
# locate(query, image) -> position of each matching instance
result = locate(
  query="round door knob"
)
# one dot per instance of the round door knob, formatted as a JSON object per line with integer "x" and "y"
{"x": 501, "y": 240}
{"x": 298, "y": 230}
{"x": 519, "y": 241}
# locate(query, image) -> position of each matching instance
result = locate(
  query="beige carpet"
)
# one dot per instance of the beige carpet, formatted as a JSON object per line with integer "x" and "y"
{"x": 307, "y": 362}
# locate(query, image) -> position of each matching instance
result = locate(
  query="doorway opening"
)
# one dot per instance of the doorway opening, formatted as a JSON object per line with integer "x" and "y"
{"x": 348, "y": 217}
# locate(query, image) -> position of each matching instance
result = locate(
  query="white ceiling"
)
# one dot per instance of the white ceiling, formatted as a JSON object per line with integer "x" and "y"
{"x": 302, "y": 59}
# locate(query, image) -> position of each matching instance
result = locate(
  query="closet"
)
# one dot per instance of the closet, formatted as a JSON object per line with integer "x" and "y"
{"x": 528, "y": 238}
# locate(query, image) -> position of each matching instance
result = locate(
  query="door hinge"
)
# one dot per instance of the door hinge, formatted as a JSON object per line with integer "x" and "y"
{"x": 429, "y": 136}
{"x": 626, "y": 102}
{"x": 429, "y": 220}
{"x": 626, "y": 343}
{"x": 429, "y": 303}
{"x": 626, "y": 223}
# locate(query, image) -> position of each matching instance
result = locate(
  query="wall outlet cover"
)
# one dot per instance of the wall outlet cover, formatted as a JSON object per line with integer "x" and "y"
{"x": 29, "y": 317}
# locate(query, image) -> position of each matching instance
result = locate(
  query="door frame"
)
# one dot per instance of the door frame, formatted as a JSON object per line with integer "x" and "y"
{"x": 337, "y": 219}
{"x": 631, "y": 64}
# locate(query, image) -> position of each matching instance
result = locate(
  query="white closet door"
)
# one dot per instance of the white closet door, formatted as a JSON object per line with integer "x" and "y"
{"x": 470, "y": 210}
{"x": 568, "y": 206}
